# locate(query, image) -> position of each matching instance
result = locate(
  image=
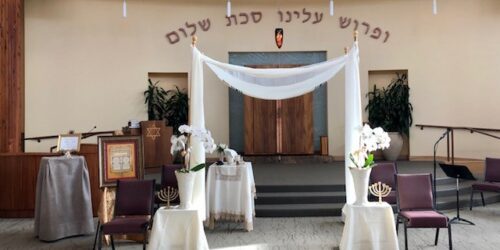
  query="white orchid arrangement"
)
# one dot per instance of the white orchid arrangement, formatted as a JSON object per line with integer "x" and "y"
{"x": 181, "y": 143}
{"x": 220, "y": 148}
{"x": 370, "y": 140}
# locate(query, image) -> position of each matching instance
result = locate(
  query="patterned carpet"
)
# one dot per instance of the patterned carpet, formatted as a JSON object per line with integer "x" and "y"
{"x": 283, "y": 233}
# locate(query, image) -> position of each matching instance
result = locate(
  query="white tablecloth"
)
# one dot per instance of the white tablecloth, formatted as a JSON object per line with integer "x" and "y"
{"x": 63, "y": 206}
{"x": 370, "y": 226}
{"x": 230, "y": 194}
{"x": 177, "y": 229}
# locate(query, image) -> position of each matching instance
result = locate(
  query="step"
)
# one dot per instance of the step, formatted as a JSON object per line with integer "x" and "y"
{"x": 300, "y": 197}
{"x": 335, "y": 209}
{"x": 299, "y": 210}
{"x": 290, "y": 159}
{"x": 325, "y": 188}
{"x": 328, "y": 200}
{"x": 451, "y": 189}
{"x": 445, "y": 180}
{"x": 449, "y": 202}
{"x": 299, "y": 188}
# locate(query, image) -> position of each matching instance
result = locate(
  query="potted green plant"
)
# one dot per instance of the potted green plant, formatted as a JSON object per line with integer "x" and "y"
{"x": 155, "y": 98}
{"x": 390, "y": 108}
{"x": 176, "y": 108}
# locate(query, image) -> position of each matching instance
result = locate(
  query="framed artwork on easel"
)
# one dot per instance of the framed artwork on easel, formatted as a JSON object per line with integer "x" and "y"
{"x": 120, "y": 157}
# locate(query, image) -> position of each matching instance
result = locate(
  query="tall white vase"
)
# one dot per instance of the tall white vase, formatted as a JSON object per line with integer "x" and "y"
{"x": 361, "y": 178}
{"x": 185, "y": 181}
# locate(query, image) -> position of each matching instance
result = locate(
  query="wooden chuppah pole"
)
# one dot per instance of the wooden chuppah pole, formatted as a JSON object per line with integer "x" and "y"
{"x": 355, "y": 35}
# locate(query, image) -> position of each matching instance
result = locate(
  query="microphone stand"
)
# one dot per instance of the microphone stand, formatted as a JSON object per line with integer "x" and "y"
{"x": 435, "y": 163}
{"x": 88, "y": 133}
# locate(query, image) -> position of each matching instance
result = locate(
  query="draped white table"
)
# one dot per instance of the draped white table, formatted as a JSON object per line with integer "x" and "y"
{"x": 231, "y": 194}
{"x": 177, "y": 229}
{"x": 370, "y": 226}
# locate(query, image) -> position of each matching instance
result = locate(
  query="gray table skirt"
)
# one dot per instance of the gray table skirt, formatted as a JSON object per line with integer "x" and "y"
{"x": 63, "y": 205}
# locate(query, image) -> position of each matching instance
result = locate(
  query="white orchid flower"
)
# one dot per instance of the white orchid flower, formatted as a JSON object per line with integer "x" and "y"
{"x": 185, "y": 129}
{"x": 366, "y": 131}
{"x": 384, "y": 141}
{"x": 370, "y": 144}
{"x": 370, "y": 140}
{"x": 178, "y": 143}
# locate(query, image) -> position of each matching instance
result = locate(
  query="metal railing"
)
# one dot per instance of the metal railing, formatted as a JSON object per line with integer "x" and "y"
{"x": 450, "y": 147}
{"x": 48, "y": 137}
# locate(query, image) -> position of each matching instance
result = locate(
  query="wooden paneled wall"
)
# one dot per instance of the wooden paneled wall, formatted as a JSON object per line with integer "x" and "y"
{"x": 18, "y": 176}
{"x": 11, "y": 75}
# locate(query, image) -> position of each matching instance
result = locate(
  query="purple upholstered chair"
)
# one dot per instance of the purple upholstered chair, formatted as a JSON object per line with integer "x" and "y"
{"x": 168, "y": 178}
{"x": 133, "y": 210}
{"x": 491, "y": 181}
{"x": 384, "y": 172}
{"x": 416, "y": 206}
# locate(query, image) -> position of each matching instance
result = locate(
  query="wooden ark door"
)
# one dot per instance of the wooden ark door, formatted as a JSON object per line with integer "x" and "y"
{"x": 260, "y": 126}
{"x": 297, "y": 125}
{"x": 278, "y": 126}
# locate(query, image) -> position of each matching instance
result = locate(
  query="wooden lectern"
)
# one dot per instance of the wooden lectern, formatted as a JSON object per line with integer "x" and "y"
{"x": 156, "y": 139}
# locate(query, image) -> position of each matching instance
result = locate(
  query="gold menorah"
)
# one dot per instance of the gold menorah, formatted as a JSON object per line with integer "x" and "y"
{"x": 380, "y": 189}
{"x": 168, "y": 194}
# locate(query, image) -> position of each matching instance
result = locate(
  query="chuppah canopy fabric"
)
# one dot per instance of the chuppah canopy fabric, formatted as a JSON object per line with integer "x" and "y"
{"x": 275, "y": 84}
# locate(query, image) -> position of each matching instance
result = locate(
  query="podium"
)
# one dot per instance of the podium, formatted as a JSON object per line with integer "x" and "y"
{"x": 458, "y": 172}
{"x": 156, "y": 140}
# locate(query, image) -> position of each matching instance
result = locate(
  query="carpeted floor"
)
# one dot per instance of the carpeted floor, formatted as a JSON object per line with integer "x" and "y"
{"x": 284, "y": 233}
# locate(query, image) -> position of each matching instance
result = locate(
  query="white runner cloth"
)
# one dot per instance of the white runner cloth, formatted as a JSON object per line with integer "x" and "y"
{"x": 276, "y": 84}
{"x": 230, "y": 194}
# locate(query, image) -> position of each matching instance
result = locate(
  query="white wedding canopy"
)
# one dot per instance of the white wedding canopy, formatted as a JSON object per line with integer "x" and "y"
{"x": 274, "y": 84}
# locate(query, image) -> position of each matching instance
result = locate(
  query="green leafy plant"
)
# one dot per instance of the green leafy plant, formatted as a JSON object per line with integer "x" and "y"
{"x": 193, "y": 169}
{"x": 155, "y": 97}
{"x": 176, "y": 108}
{"x": 171, "y": 105}
{"x": 390, "y": 107}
